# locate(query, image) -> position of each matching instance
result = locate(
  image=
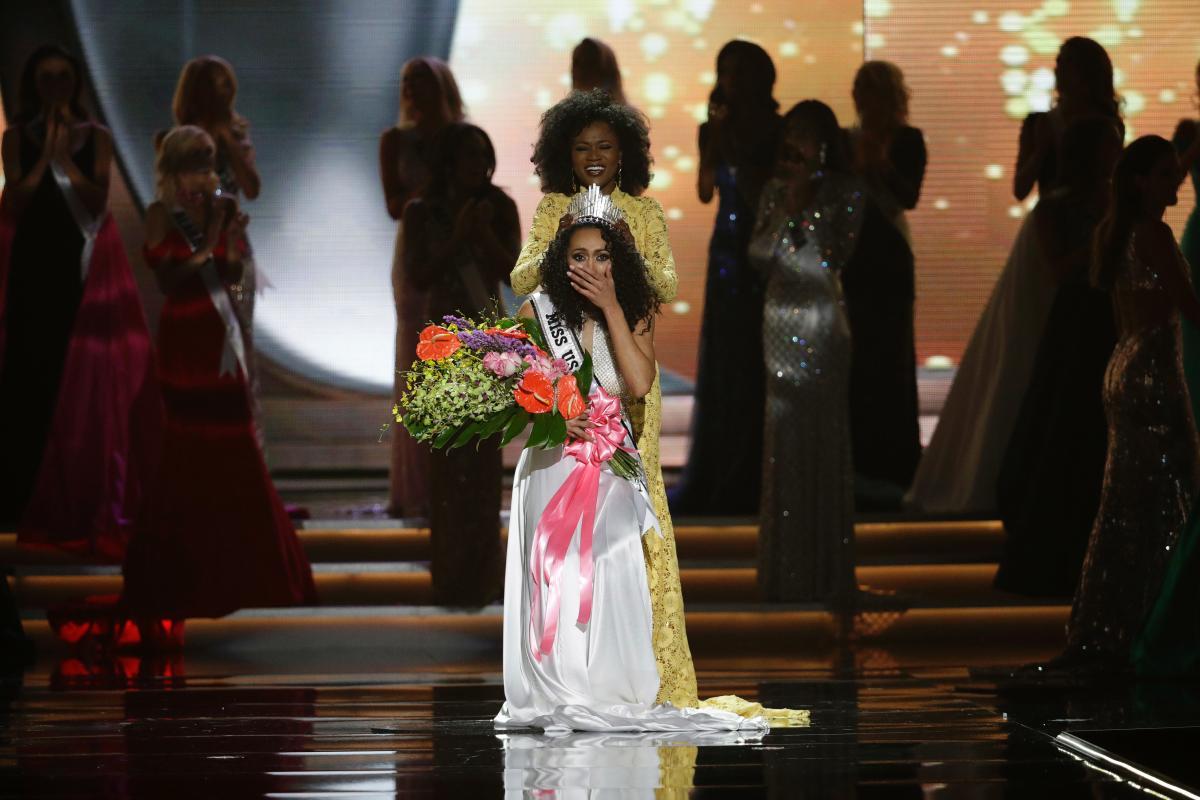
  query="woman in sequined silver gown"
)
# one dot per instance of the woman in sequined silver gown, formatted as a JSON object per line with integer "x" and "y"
{"x": 1151, "y": 473}
{"x": 807, "y": 227}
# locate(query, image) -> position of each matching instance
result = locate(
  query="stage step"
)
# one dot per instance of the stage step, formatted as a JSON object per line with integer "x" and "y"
{"x": 927, "y": 586}
{"x": 731, "y": 635}
{"x": 876, "y": 542}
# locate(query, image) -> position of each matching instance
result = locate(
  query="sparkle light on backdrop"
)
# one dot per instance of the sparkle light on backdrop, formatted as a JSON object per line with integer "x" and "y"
{"x": 975, "y": 71}
{"x": 321, "y": 82}
{"x": 667, "y": 52}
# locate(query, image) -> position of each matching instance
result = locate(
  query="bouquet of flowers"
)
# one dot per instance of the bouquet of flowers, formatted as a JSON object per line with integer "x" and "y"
{"x": 476, "y": 379}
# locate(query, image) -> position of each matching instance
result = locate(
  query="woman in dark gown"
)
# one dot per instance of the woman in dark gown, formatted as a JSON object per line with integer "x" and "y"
{"x": 880, "y": 284}
{"x": 1152, "y": 470}
{"x": 215, "y": 536}
{"x": 429, "y": 101}
{"x": 1049, "y": 485}
{"x": 807, "y": 228}
{"x": 1170, "y": 643}
{"x": 959, "y": 468}
{"x": 77, "y": 391}
{"x": 737, "y": 146}
{"x": 462, "y": 238}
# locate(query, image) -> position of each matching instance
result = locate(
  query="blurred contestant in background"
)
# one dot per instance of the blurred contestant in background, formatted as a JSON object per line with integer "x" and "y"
{"x": 880, "y": 285}
{"x": 462, "y": 238}
{"x": 737, "y": 151}
{"x": 215, "y": 537}
{"x": 958, "y": 470}
{"x": 78, "y": 401}
{"x": 429, "y": 101}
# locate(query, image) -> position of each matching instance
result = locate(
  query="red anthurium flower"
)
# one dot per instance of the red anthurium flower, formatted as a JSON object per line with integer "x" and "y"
{"x": 515, "y": 332}
{"x": 570, "y": 401}
{"x": 534, "y": 393}
{"x": 436, "y": 343}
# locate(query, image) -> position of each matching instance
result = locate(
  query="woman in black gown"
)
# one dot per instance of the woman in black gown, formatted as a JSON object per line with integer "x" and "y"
{"x": 879, "y": 284}
{"x": 45, "y": 280}
{"x": 463, "y": 236}
{"x": 737, "y": 147}
{"x": 1049, "y": 485}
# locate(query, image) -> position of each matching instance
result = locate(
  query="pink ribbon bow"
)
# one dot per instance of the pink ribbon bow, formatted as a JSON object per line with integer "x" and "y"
{"x": 572, "y": 504}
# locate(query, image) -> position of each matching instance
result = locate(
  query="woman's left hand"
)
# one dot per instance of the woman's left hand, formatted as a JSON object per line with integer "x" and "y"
{"x": 595, "y": 284}
{"x": 578, "y": 429}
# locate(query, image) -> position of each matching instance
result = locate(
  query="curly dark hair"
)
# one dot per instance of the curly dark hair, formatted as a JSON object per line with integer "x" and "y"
{"x": 634, "y": 293}
{"x": 564, "y": 120}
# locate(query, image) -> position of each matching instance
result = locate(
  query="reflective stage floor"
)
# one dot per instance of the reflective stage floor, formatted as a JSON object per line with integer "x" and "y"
{"x": 392, "y": 720}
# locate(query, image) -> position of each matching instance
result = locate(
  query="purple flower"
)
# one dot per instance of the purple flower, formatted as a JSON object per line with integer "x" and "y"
{"x": 485, "y": 342}
{"x": 451, "y": 319}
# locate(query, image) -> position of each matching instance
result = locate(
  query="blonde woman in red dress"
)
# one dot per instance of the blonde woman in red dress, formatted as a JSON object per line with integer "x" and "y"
{"x": 215, "y": 537}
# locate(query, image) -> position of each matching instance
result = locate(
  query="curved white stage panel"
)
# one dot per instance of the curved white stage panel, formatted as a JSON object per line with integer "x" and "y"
{"x": 319, "y": 81}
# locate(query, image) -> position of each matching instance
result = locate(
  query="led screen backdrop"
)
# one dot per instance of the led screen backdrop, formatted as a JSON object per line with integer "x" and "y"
{"x": 514, "y": 65}
{"x": 319, "y": 81}
{"x": 975, "y": 70}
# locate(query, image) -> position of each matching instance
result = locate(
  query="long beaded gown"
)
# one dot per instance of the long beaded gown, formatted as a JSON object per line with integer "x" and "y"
{"x": 648, "y": 224}
{"x": 1150, "y": 479}
{"x": 721, "y": 475}
{"x": 1170, "y": 643}
{"x": 806, "y": 534}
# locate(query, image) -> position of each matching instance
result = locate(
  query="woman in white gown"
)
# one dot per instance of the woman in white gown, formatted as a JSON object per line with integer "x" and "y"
{"x": 959, "y": 469}
{"x": 599, "y": 674}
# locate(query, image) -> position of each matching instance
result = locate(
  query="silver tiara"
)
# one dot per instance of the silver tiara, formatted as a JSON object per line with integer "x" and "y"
{"x": 593, "y": 205}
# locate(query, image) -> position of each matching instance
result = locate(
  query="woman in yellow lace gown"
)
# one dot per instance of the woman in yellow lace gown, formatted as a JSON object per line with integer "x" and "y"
{"x": 589, "y": 139}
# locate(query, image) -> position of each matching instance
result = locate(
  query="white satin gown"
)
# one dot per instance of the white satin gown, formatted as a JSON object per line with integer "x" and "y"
{"x": 959, "y": 469}
{"x": 600, "y": 676}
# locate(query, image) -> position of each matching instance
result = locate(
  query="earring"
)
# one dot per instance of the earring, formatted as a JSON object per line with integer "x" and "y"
{"x": 824, "y": 151}
{"x": 618, "y": 174}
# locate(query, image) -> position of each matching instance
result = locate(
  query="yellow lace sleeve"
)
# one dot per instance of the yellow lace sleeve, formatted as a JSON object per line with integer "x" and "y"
{"x": 526, "y": 275}
{"x": 649, "y": 228}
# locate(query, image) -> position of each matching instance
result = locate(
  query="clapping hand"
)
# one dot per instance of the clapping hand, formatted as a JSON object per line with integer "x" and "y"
{"x": 57, "y": 145}
{"x": 464, "y": 221}
{"x": 235, "y": 230}
{"x": 484, "y": 213}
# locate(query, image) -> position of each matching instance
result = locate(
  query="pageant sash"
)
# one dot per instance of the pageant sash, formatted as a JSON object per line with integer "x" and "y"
{"x": 233, "y": 352}
{"x": 560, "y": 337}
{"x": 88, "y": 225}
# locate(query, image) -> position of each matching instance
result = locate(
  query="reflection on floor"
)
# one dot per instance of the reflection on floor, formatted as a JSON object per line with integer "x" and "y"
{"x": 390, "y": 720}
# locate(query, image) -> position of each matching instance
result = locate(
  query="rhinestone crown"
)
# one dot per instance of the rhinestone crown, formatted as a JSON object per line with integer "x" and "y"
{"x": 592, "y": 205}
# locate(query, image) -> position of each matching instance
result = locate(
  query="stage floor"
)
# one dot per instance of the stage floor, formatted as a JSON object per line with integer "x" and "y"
{"x": 382, "y": 721}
